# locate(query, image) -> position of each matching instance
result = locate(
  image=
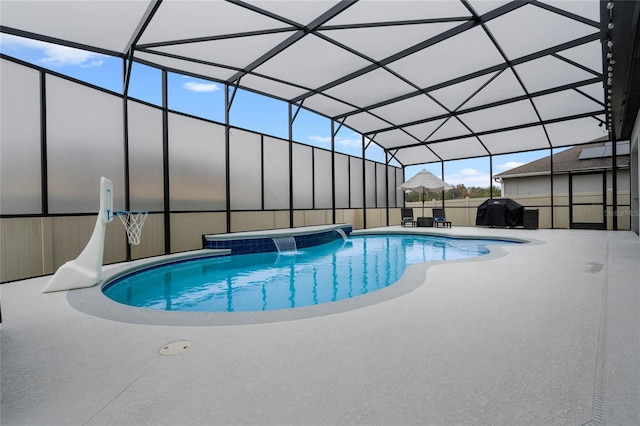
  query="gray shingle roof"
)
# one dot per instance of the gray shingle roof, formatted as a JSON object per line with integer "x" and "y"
{"x": 565, "y": 161}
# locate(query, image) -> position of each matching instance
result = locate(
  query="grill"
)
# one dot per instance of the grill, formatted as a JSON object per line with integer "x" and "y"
{"x": 499, "y": 212}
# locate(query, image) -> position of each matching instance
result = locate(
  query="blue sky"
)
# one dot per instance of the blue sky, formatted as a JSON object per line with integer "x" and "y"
{"x": 251, "y": 111}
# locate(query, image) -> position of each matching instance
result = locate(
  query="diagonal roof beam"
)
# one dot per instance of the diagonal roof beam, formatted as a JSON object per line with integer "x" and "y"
{"x": 566, "y": 14}
{"x": 137, "y": 33}
{"x": 494, "y": 68}
{"x": 142, "y": 25}
{"x": 216, "y": 37}
{"x": 416, "y": 48}
{"x": 266, "y": 13}
{"x": 313, "y": 25}
{"x": 577, "y": 65}
{"x": 513, "y": 70}
{"x": 54, "y": 40}
{"x": 394, "y": 23}
{"x": 509, "y": 128}
{"x": 496, "y": 103}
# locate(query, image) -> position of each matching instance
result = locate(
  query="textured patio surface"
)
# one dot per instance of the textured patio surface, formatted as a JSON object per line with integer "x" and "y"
{"x": 545, "y": 333}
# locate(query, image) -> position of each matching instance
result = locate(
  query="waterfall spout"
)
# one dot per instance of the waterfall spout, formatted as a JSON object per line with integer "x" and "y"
{"x": 285, "y": 244}
{"x": 342, "y": 234}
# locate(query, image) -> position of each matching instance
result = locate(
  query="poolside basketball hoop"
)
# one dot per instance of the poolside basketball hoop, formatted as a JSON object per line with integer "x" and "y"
{"x": 132, "y": 222}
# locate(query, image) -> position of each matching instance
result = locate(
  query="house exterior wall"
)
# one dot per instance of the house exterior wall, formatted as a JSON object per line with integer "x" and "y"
{"x": 540, "y": 185}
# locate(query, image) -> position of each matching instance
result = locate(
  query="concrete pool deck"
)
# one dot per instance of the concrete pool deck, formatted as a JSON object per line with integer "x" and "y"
{"x": 543, "y": 334}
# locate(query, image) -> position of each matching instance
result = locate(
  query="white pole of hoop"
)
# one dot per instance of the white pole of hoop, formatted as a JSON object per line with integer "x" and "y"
{"x": 86, "y": 269}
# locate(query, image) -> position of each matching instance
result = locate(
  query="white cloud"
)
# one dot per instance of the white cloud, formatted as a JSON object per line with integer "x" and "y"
{"x": 349, "y": 142}
{"x": 468, "y": 177}
{"x": 319, "y": 139}
{"x": 509, "y": 165}
{"x": 353, "y": 142}
{"x": 201, "y": 87}
{"x": 55, "y": 55}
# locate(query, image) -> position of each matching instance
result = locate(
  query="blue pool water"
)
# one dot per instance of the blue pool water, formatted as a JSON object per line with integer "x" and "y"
{"x": 268, "y": 281}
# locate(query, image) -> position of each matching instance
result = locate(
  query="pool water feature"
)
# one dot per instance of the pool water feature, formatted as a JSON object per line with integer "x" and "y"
{"x": 269, "y": 281}
{"x": 285, "y": 244}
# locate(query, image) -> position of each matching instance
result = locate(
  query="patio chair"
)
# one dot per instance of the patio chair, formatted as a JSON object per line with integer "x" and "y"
{"x": 440, "y": 219}
{"x": 407, "y": 217}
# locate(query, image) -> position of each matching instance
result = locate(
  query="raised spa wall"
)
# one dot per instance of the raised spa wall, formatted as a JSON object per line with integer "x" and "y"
{"x": 262, "y": 241}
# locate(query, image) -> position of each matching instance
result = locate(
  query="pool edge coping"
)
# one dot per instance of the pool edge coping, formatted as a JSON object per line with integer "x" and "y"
{"x": 92, "y": 301}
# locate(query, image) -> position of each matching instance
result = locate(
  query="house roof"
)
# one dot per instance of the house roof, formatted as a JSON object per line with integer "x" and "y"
{"x": 426, "y": 80}
{"x": 566, "y": 161}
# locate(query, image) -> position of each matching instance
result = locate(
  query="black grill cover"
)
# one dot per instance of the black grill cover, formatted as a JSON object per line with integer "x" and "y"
{"x": 499, "y": 212}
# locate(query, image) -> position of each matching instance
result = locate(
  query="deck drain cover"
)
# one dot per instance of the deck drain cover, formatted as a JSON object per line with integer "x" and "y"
{"x": 175, "y": 348}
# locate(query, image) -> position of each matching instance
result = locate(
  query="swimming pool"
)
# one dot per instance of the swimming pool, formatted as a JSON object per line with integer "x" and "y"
{"x": 272, "y": 281}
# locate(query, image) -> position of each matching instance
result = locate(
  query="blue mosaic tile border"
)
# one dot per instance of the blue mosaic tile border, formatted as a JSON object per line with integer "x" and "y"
{"x": 259, "y": 245}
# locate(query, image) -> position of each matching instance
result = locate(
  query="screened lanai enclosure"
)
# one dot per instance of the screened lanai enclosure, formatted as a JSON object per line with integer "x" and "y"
{"x": 418, "y": 82}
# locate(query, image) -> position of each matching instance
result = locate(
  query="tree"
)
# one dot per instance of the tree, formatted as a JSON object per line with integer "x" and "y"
{"x": 459, "y": 191}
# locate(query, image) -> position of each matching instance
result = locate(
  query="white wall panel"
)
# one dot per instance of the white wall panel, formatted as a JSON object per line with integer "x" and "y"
{"x": 20, "y": 171}
{"x": 302, "y": 177}
{"x": 146, "y": 175}
{"x": 392, "y": 186}
{"x": 381, "y": 185}
{"x": 276, "y": 173}
{"x": 322, "y": 181}
{"x": 355, "y": 181}
{"x": 196, "y": 164}
{"x": 370, "y": 179}
{"x": 84, "y": 142}
{"x": 342, "y": 180}
{"x": 245, "y": 172}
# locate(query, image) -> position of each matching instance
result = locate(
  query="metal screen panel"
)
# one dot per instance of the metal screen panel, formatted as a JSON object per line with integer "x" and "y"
{"x": 501, "y": 116}
{"x": 276, "y": 174}
{"x": 370, "y": 179}
{"x": 301, "y": 64}
{"x": 105, "y": 24}
{"x": 358, "y": 91}
{"x": 548, "y": 71}
{"x": 391, "y": 186}
{"x": 450, "y": 128}
{"x": 399, "y": 192}
{"x": 504, "y": 86}
{"x": 302, "y": 177}
{"x": 146, "y": 188}
{"x": 342, "y": 179}
{"x": 381, "y": 185}
{"x": 449, "y": 150}
{"x": 416, "y": 155}
{"x": 574, "y": 131}
{"x": 197, "y": 167}
{"x": 480, "y": 53}
{"x": 565, "y": 103}
{"x": 20, "y": 171}
{"x": 455, "y": 95}
{"x": 201, "y": 18}
{"x": 423, "y": 130}
{"x": 322, "y": 179}
{"x": 396, "y": 137}
{"x": 527, "y": 21}
{"x": 245, "y": 173}
{"x": 84, "y": 142}
{"x": 374, "y": 65}
{"x": 408, "y": 110}
{"x": 389, "y": 39}
{"x": 355, "y": 182}
{"x": 514, "y": 140}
